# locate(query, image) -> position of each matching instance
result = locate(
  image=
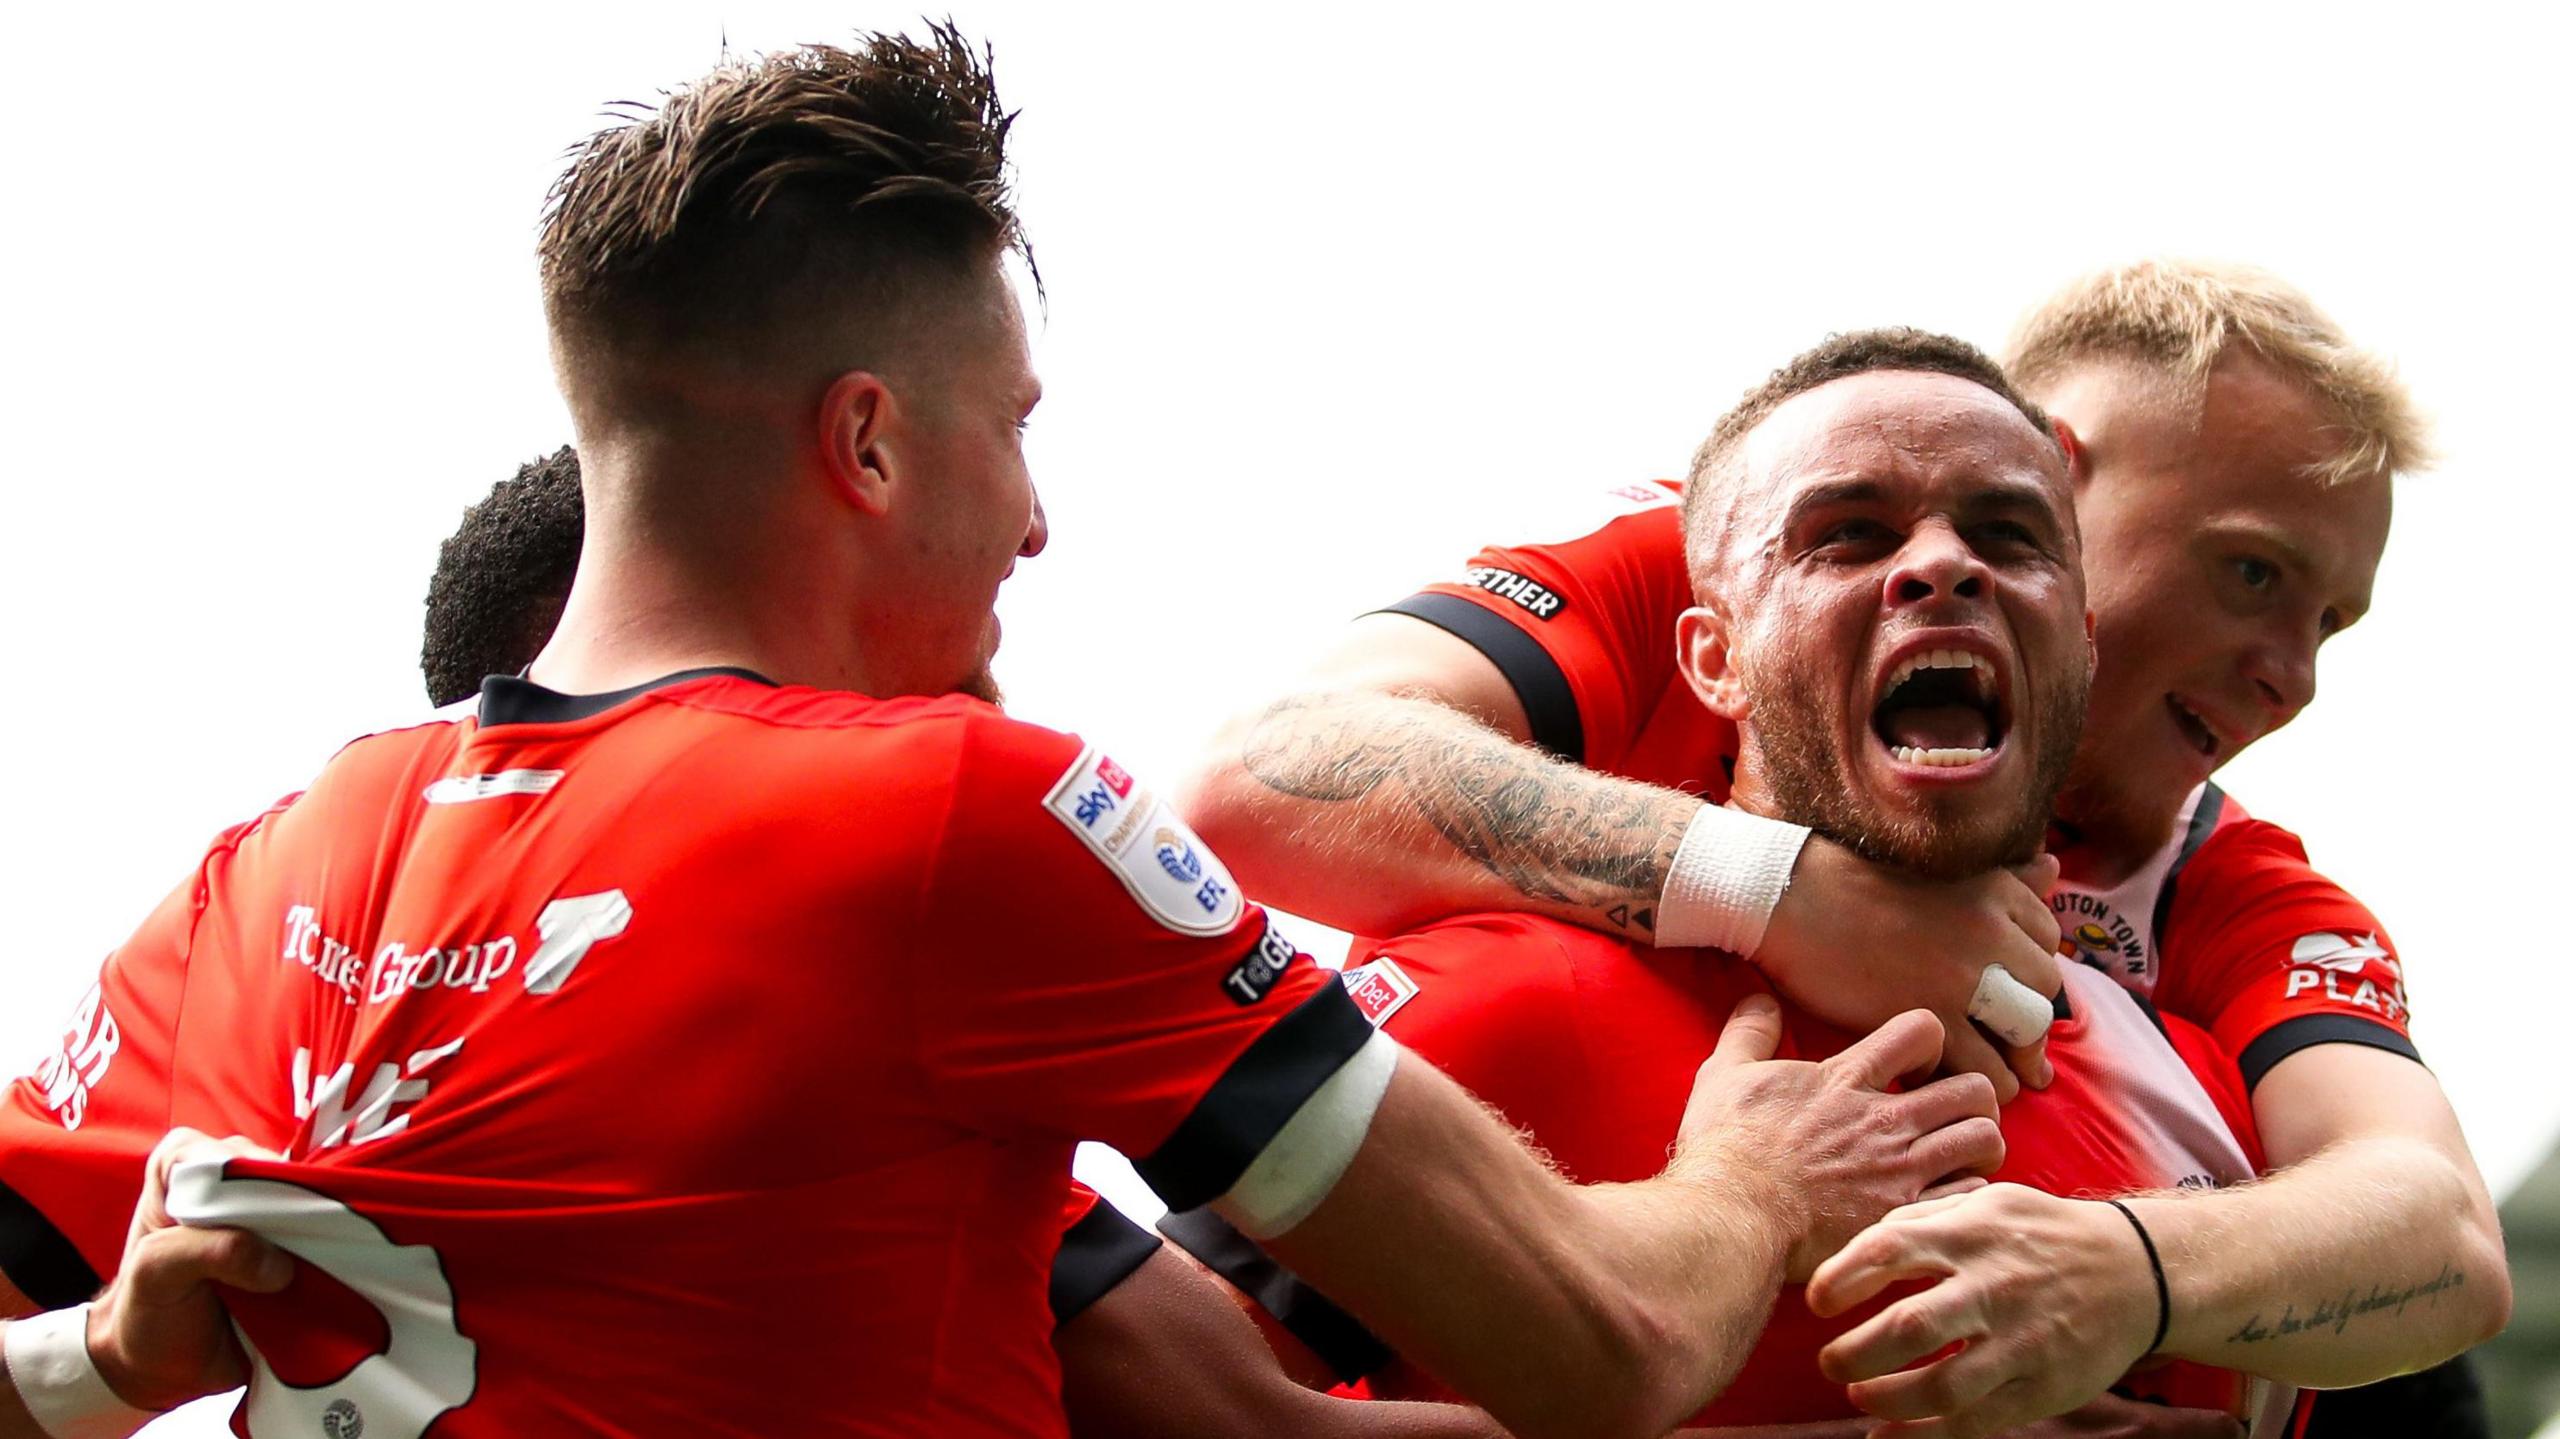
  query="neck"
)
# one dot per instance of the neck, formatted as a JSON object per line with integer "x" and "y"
{"x": 1749, "y": 791}
{"x": 2110, "y": 838}
{"x": 656, "y": 594}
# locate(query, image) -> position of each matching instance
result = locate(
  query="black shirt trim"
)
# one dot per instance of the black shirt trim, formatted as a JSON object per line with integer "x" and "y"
{"x": 2296, "y": 1035}
{"x": 1267, "y": 1084}
{"x": 2199, "y": 829}
{"x": 1555, "y": 721}
{"x": 1094, "y": 1255}
{"x": 512, "y": 699}
{"x": 1347, "y": 1348}
{"x": 45, "y": 1266}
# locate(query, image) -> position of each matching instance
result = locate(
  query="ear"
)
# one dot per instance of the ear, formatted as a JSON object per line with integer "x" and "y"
{"x": 2075, "y": 454}
{"x": 859, "y": 425}
{"x": 1703, "y": 642}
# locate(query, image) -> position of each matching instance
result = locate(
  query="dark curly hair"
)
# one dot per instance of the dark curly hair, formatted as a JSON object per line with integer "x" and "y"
{"x": 502, "y": 577}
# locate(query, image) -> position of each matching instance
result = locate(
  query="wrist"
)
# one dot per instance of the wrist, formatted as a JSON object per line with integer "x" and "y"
{"x": 51, "y": 1364}
{"x": 1725, "y": 880}
{"x": 1766, "y": 1224}
{"x": 2159, "y": 1276}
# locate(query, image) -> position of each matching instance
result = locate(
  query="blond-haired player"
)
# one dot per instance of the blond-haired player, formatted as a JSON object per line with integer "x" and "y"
{"x": 2234, "y": 455}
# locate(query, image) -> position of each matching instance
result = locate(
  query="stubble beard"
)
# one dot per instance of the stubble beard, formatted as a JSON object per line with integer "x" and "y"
{"x": 1807, "y": 778}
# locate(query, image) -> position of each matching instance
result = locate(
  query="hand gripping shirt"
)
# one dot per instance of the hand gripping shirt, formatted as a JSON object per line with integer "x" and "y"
{"x": 1591, "y": 1045}
{"x": 707, "y": 1058}
{"x": 2228, "y": 926}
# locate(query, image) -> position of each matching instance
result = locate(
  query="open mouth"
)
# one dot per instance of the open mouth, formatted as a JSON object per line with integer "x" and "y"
{"x": 1942, "y": 709}
{"x": 2192, "y": 725}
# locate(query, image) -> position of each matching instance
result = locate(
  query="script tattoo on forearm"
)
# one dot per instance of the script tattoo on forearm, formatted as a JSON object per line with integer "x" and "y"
{"x": 1553, "y": 831}
{"x": 2333, "y": 1314}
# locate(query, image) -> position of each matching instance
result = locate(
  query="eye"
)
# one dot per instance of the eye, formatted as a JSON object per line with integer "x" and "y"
{"x": 2256, "y": 575}
{"x": 1854, "y": 534}
{"x": 2006, "y": 533}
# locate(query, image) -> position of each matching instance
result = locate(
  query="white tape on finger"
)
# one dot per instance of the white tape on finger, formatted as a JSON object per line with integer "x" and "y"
{"x": 2003, "y": 1004}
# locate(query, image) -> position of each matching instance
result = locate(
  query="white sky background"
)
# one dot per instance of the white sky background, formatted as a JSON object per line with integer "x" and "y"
{"x": 1334, "y": 298}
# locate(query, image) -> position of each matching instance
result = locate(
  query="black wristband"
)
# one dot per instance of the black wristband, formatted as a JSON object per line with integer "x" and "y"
{"x": 2159, "y": 1276}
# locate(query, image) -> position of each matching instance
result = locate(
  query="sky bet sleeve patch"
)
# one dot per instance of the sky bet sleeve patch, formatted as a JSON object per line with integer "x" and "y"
{"x": 1162, "y": 863}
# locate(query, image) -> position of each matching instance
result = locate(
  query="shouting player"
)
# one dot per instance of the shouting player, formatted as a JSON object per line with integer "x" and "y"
{"x": 1890, "y": 607}
{"x": 2233, "y": 457}
{"x": 692, "y": 1038}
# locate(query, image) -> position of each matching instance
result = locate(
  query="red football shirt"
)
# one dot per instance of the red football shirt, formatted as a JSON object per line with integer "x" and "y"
{"x": 1591, "y": 1045}
{"x": 700, "y": 1059}
{"x": 2229, "y": 926}
{"x": 2229, "y": 922}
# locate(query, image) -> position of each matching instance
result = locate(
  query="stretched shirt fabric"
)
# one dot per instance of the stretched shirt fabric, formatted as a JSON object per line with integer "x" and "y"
{"x": 704, "y": 1058}
{"x": 1591, "y": 1045}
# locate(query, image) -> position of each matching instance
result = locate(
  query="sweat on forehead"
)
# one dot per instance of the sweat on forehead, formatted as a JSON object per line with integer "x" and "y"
{"x": 1709, "y": 508}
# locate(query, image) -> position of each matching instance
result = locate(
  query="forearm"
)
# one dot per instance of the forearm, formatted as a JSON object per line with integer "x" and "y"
{"x": 1376, "y": 813}
{"x": 2367, "y": 1260}
{"x": 1606, "y": 1310}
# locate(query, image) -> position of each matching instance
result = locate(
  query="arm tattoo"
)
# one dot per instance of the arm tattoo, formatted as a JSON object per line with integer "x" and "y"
{"x": 1553, "y": 831}
{"x": 2335, "y": 1313}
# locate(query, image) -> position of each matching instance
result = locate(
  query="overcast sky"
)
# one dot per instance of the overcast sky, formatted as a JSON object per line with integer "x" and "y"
{"x": 1333, "y": 298}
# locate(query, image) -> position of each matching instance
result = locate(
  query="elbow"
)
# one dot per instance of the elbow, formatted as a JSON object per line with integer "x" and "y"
{"x": 2493, "y": 1296}
{"x": 1216, "y": 796}
{"x": 2479, "y": 1256}
{"x": 1643, "y": 1378}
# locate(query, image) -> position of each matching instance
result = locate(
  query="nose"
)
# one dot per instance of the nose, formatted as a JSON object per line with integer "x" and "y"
{"x": 2285, "y": 673}
{"x": 1936, "y": 564}
{"x": 1035, "y": 539}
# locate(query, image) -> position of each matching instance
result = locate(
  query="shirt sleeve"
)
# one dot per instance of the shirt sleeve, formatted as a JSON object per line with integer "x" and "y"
{"x": 2274, "y": 957}
{"x": 75, "y": 1132}
{"x": 1489, "y": 1000}
{"x": 1097, "y": 976}
{"x": 1581, "y": 627}
{"x": 1099, "y": 1248}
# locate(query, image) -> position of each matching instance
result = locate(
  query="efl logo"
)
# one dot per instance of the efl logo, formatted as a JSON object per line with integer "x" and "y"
{"x": 1156, "y": 857}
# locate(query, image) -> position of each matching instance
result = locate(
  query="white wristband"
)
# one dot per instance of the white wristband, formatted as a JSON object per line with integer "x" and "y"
{"x": 1726, "y": 880}
{"x": 48, "y": 1361}
{"x": 2003, "y": 1004}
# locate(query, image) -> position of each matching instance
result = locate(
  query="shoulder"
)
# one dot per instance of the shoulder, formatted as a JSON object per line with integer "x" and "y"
{"x": 2247, "y": 865}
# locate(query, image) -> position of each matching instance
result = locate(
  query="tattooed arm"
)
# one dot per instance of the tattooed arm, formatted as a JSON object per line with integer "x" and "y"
{"x": 1400, "y": 788}
{"x": 1335, "y": 781}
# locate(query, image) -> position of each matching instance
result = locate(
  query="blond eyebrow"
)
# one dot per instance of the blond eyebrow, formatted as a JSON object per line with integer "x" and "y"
{"x": 2292, "y": 556}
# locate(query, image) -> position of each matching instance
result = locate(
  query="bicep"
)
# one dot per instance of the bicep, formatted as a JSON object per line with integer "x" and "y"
{"x": 1398, "y": 654}
{"x": 2331, "y": 1093}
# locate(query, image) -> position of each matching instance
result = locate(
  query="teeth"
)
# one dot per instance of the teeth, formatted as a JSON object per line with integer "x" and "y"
{"x": 1910, "y": 754}
{"x": 1946, "y": 660}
